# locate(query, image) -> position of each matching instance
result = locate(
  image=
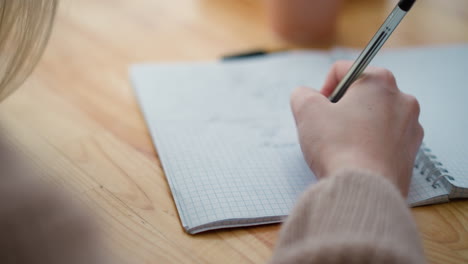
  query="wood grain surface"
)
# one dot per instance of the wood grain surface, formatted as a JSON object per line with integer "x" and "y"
{"x": 78, "y": 120}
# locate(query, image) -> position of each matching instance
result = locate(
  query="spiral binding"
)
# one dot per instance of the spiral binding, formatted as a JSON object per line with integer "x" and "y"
{"x": 430, "y": 167}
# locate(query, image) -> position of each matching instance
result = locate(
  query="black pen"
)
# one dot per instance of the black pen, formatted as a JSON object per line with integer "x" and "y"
{"x": 390, "y": 24}
{"x": 251, "y": 54}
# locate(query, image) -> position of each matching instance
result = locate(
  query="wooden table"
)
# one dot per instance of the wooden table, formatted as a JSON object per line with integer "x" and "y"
{"x": 77, "y": 117}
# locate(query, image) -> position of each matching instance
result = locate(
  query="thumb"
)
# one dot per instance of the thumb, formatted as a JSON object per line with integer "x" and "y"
{"x": 304, "y": 100}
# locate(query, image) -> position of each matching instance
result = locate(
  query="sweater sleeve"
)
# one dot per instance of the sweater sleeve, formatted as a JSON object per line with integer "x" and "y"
{"x": 352, "y": 217}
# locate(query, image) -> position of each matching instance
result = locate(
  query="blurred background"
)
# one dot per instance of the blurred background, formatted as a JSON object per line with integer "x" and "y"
{"x": 110, "y": 35}
{"x": 201, "y": 29}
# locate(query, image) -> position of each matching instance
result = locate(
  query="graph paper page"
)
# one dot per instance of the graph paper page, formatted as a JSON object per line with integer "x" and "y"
{"x": 226, "y": 137}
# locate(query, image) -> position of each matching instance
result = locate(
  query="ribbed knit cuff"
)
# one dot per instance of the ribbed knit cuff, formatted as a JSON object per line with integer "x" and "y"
{"x": 351, "y": 217}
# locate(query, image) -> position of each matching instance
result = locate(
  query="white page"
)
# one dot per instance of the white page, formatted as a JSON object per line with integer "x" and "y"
{"x": 226, "y": 136}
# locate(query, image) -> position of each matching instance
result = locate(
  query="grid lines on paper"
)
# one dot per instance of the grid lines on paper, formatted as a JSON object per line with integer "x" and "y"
{"x": 218, "y": 179}
{"x": 422, "y": 190}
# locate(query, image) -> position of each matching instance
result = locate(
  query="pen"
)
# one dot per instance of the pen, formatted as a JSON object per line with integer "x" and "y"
{"x": 250, "y": 54}
{"x": 244, "y": 55}
{"x": 366, "y": 56}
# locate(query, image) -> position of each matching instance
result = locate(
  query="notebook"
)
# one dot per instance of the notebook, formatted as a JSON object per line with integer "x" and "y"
{"x": 227, "y": 140}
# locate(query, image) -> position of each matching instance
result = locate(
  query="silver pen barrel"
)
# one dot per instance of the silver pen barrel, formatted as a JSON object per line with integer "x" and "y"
{"x": 369, "y": 53}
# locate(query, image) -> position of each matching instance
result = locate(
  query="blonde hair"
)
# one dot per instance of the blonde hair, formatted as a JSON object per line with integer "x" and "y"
{"x": 25, "y": 27}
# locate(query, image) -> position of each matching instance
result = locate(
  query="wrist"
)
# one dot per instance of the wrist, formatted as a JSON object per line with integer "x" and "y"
{"x": 354, "y": 162}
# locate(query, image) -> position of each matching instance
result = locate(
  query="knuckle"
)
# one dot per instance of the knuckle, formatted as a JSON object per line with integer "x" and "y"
{"x": 299, "y": 100}
{"x": 309, "y": 100}
{"x": 296, "y": 96}
{"x": 383, "y": 78}
{"x": 421, "y": 132}
{"x": 386, "y": 76}
{"x": 303, "y": 102}
{"x": 413, "y": 104}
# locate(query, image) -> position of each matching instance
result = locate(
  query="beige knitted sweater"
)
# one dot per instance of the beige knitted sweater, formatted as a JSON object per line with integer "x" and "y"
{"x": 353, "y": 217}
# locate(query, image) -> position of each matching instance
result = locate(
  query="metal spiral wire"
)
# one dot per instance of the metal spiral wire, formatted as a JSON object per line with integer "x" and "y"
{"x": 430, "y": 167}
